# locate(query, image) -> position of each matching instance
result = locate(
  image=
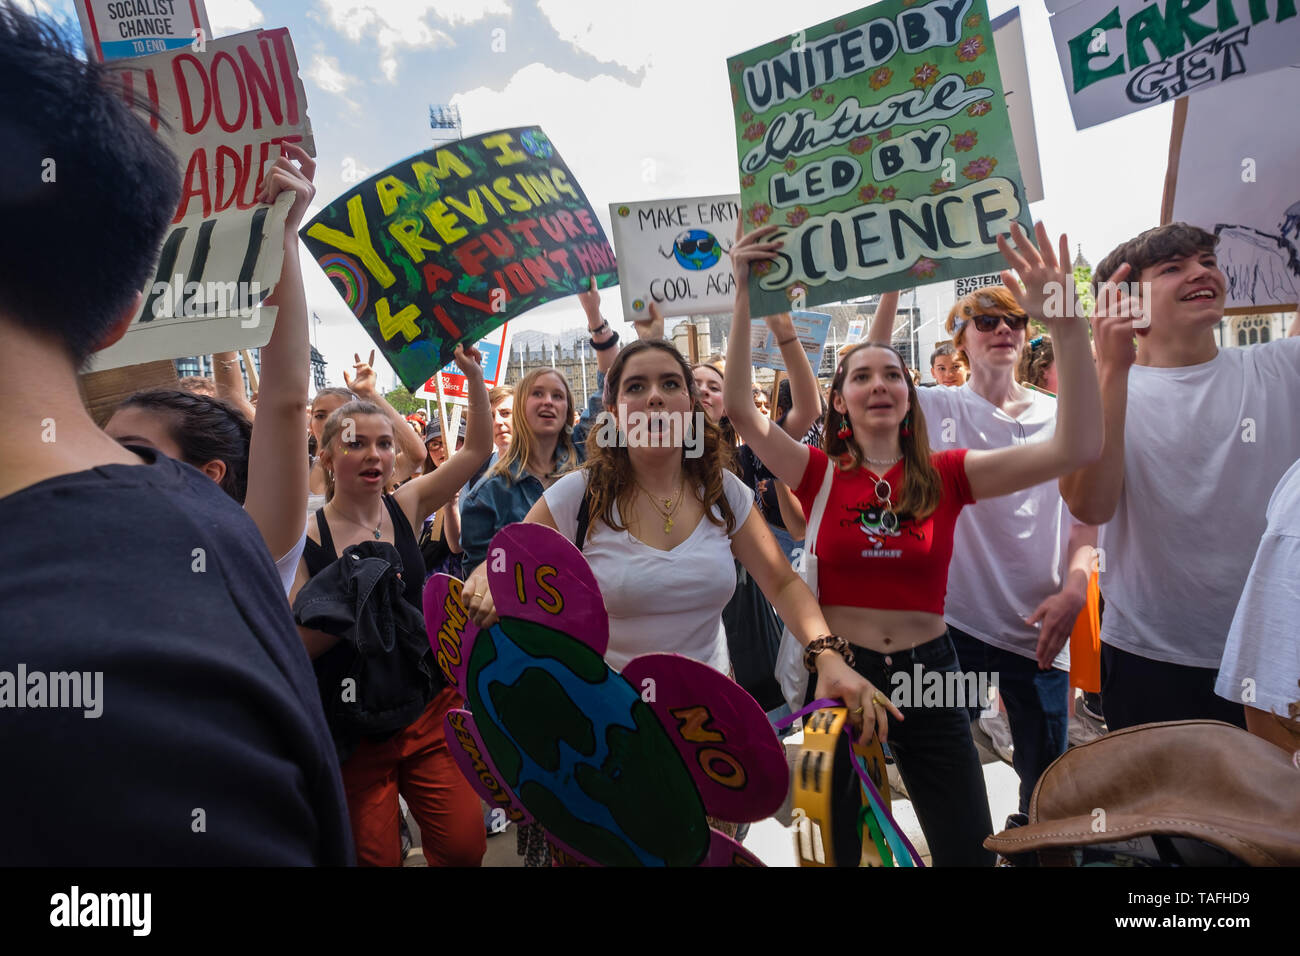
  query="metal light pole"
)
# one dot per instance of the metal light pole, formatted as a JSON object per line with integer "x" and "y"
{"x": 446, "y": 117}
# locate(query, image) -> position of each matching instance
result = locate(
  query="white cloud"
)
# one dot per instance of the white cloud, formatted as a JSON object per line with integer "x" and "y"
{"x": 404, "y": 23}
{"x": 233, "y": 16}
{"x": 325, "y": 73}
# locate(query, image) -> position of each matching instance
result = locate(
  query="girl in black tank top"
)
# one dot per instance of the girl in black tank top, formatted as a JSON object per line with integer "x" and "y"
{"x": 320, "y": 556}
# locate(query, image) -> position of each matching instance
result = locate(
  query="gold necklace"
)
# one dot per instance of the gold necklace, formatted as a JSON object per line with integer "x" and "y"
{"x": 669, "y": 508}
{"x": 361, "y": 524}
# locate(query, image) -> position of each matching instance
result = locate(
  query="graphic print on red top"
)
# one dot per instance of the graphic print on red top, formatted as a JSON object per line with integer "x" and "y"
{"x": 866, "y": 559}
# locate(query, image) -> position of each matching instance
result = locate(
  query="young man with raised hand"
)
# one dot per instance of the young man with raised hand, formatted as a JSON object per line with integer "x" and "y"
{"x": 124, "y": 572}
{"x": 1196, "y": 438}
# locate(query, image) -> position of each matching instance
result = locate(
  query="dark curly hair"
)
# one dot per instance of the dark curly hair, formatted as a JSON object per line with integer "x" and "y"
{"x": 205, "y": 429}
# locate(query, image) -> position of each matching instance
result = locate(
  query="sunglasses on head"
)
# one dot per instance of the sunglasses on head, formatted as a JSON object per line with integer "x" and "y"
{"x": 987, "y": 323}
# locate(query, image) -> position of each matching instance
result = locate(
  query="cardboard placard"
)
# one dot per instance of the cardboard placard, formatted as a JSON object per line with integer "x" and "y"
{"x": 1238, "y": 176}
{"x": 812, "y": 329}
{"x": 445, "y": 246}
{"x": 227, "y": 110}
{"x": 673, "y": 252}
{"x": 496, "y": 351}
{"x": 879, "y": 142}
{"x": 1121, "y": 56}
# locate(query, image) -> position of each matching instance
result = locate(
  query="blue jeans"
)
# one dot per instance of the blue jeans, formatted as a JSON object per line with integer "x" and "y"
{"x": 936, "y": 757}
{"x": 1037, "y": 703}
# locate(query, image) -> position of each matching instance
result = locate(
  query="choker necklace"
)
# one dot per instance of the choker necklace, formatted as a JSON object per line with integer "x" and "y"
{"x": 882, "y": 464}
{"x": 362, "y": 524}
{"x": 669, "y": 507}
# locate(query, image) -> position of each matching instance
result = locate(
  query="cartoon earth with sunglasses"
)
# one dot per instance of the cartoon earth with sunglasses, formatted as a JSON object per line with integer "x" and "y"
{"x": 695, "y": 250}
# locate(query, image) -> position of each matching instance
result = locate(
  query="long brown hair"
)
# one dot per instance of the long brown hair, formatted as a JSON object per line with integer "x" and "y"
{"x": 610, "y": 480}
{"x": 729, "y": 436}
{"x": 922, "y": 487}
{"x": 334, "y": 425}
{"x": 522, "y": 438}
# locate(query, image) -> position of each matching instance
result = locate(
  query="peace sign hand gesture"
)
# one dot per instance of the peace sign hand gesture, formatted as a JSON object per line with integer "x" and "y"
{"x": 1048, "y": 293}
{"x": 363, "y": 385}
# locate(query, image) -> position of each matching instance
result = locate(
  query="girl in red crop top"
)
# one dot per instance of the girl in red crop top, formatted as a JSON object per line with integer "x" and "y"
{"x": 886, "y": 532}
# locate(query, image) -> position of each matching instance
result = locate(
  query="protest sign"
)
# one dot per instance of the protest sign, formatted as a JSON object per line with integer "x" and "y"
{"x": 879, "y": 143}
{"x": 495, "y": 348}
{"x": 1009, "y": 45}
{"x": 969, "y": 284}
{"x": 1238, "y": 176}
{"x": 812, "y": 328}
{"x": 444, "y": 247}
{"x": 227, "y": 110}
{"x": 114, "y": 29}
{"x": 673, "y": 252}
{"x": 1121, "y": 56}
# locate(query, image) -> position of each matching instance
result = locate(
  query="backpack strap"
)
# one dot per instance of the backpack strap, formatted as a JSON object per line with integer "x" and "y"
{"x": 584, "y": 520}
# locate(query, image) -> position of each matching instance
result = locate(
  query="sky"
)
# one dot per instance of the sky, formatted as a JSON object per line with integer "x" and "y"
{"x": 635, "y": 97}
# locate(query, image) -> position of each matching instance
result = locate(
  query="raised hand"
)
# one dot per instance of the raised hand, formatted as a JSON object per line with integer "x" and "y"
{"x": 590, "y": 298}
{"x": 752, "y": 247}
{"x": 1113, "y": 323}
{"x": 285, "y": 175}
{"x": 1048, "y": 293}
{"x": 782, "y": 325}
{"x": 651, "y": 328}
{"x": 364, "y": 382}
{"x": 470, "y": 361}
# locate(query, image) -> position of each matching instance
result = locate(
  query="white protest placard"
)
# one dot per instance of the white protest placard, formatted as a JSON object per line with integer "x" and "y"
{"x": 812, "y": 328}
{"x": 1239, "y": 177}
{"x": 673, "y": 252}
{"x": 968, "y": 285}
{"x": 1121, "y": 56}
{"x": 495, "y": 349}
{"x": 1009, "y": 48}
{"x": 114, "y": 29}
{"x": 228, "y": 109}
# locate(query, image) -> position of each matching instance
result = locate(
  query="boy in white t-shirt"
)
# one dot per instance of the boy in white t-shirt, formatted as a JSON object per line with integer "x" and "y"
{"x": 1196, "y": 438}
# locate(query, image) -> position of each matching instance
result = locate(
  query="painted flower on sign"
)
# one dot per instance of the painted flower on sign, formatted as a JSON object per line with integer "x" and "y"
{"x": 881, "y": 77}
{"x": 790, "y": 165}
{"x": 747, "y": 116}
{"x": 859, "y": 145}
{"x": 973, "y": 20}
{"x": 979, "y": 168}
{"x": 885, "y": 134}
{"x": 970, "y": 48}
{"x": 797, "y": 215}
{"x": 867, "y": 193}
{"x": 925, "y": 75}
{"x": 756, "y": 130}
{"x": 924, "y": 268}
{"x": 975, "y": 78}
{"x": 747, "y": 180}
{"x": 888, "y": 193}
{"x": 939, "y": 185}
{"x": 763, "y": 267}
{"x": 979, "y": 109}
{"x": 760, "y": 213}
{"x": 964, "y": 142}
{"x": 830, "y": 98}
{"x": 818, "y": 93}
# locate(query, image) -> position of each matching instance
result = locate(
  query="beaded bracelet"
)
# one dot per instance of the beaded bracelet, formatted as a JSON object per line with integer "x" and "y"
{"x": 602, "y": 346}
{"x": 827, "y": 643}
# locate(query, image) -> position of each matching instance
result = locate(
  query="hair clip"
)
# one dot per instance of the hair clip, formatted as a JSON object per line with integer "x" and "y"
{"x": 1035, "y": 344}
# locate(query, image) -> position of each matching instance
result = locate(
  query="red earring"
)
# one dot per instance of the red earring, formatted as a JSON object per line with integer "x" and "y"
{"x": 845, "y": 431}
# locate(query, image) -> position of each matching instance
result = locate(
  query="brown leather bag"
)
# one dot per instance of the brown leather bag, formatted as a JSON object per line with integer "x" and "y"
{"x": 1202, "y": 779}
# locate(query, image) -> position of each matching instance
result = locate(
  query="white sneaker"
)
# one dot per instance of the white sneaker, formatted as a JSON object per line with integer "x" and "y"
{"x": 999, "y": 732}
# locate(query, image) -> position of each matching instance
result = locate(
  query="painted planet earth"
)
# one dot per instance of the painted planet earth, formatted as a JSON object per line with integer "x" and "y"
{"x": 588, "y": 755}
{"x": 696, "y": 249}
{"x": 535, "y": 143}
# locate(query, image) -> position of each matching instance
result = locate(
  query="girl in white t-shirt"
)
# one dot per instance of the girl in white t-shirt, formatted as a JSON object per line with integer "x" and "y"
{"x": 666, "y": 517}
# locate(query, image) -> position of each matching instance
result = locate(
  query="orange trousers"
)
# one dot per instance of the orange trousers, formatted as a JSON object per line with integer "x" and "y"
{"x": 416, "y": 763}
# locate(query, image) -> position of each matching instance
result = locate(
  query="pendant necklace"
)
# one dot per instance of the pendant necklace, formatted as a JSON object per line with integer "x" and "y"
{"x": 669, "y": 507}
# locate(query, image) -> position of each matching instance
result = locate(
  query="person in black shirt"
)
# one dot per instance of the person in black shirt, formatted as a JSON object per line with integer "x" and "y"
{"x": 154, "y": 695}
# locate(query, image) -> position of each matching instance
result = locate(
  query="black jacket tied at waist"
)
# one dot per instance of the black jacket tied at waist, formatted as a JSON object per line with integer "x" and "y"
{"x": 384, "y": 650}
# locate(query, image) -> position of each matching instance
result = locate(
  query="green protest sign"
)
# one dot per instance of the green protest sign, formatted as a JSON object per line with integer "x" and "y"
{"x": 446, "y": 246}
{"x": 879, "y": 142}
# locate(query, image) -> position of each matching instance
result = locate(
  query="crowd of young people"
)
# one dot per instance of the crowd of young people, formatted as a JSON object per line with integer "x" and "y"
{"x": 203, "y": 565}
